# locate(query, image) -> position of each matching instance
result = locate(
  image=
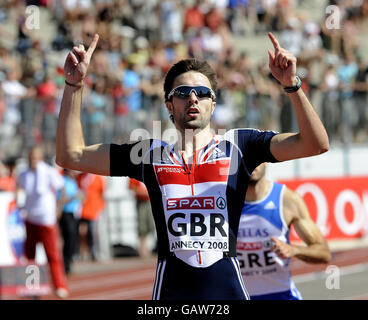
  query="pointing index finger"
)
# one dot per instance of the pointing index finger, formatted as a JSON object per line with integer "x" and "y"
{"x": 93, "y": 45}
{"x": 274, "y": 41}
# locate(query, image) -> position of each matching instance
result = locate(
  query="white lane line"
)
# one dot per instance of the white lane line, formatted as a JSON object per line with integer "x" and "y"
{"x": 336, "y": 259}
{"x": 117, "y": 294}
{"x": 107, "y": 280}
{"x": 356, "y": 268}
{"x": 101, "y": 273}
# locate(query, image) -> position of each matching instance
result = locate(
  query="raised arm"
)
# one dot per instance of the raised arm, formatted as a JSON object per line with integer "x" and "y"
{"x": 71, "y": 151}
{"x": 312, "y": 137}
{"x": 296, "y": 213}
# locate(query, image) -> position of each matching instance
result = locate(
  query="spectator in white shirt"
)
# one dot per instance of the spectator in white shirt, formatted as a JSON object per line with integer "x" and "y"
{"x": 40, "y": 183}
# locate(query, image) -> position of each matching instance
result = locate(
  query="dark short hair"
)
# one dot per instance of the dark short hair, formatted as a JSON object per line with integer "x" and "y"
{"x": 187, "y": 65}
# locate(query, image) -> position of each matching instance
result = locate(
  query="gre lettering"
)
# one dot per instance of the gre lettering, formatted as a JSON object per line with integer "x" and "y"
{"x": 253, "y": 259}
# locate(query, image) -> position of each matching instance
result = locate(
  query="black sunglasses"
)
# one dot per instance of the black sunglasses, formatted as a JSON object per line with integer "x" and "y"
{"x": 185, "y": 91}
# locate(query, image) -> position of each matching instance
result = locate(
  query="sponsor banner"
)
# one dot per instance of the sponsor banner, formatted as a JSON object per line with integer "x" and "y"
{"x": 338, "y": 206}
{"x": 12, "y": 230}
{"x": 13, "y": 233}
{"x": 19, "y": 277}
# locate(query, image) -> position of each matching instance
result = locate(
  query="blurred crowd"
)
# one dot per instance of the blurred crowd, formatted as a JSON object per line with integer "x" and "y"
{"x": 141, "y": 39}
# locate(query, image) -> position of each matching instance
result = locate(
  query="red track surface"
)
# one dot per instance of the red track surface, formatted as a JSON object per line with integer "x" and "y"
{"x": 340, "y": 259}
{"x": 133, "y": 278}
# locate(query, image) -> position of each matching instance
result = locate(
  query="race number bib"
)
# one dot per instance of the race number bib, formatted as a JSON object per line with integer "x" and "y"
{"x": 197, "y": 223}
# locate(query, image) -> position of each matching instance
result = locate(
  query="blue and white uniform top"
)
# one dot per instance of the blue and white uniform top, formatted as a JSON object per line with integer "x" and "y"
{"x": 264, "y": 273}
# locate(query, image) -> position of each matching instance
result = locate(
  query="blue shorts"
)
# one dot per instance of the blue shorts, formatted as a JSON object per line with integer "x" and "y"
{"x": 284, "y": 295}
{"x": 176, "y": 280}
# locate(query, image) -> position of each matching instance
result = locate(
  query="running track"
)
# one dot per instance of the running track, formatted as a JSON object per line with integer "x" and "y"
{"x": 133, "y": 278}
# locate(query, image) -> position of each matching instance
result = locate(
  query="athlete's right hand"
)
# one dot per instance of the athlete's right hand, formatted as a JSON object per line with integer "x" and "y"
{"x": 77, "y": 62}
{"x": 282, "y": 249}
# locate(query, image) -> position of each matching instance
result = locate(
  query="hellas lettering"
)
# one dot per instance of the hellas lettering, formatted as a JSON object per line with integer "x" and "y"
{"x": 197, "y": 226}
{"x": 249, "y": 232}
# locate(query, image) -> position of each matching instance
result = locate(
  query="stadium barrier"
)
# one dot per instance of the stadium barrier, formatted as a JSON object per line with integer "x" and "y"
{"x": 339, "y": 206}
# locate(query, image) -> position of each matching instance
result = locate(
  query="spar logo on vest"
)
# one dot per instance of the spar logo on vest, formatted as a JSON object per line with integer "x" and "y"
{"x": 197, "y": 223}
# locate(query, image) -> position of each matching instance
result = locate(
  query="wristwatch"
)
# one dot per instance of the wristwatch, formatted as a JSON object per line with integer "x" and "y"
{"x": 80, "y": 85}
{"x": 294, "y": 88}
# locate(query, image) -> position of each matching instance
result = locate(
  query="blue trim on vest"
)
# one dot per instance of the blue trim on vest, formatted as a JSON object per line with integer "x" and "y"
{"x": 273, "y": 215}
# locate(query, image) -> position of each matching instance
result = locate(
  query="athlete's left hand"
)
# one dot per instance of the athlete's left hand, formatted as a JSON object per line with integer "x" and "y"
{"x": 282, "y": 63}
{"x": 282, "y": 249}
{"x": 77, "y": 62}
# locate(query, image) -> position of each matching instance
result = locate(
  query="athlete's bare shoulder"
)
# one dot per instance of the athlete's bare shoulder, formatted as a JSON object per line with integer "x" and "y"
{"x": 292, "y": 204}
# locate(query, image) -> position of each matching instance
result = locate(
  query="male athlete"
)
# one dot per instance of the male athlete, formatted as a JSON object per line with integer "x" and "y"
{"x": 197, "y": 185}
{"x": 263, "y": 246}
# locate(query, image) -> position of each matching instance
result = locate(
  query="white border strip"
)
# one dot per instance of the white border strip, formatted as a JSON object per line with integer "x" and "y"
{"x": 158, "y": 281}
{"x": 237, "y": 269}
